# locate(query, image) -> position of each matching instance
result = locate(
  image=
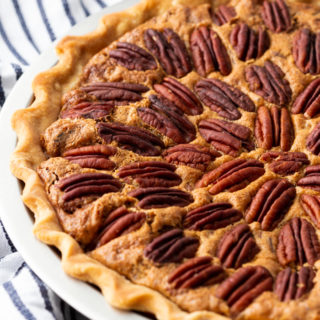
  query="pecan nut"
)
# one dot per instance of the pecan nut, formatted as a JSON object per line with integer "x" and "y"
{"x": 291, "y": 285}
{"x": 223, "y": 14}
{"x": 227, "y": 137}
{"x": 248, "y": 43}
{"x": 285, "y": 163}
{"x": 311, "y": 205}
{"x": 313, "y": 140}
{"x": 170, "y": 51}
{"x": 245, "y": 285}
{"x": 311, "y": 179}
{"x": 196, "y": 272}
{"x": 131, "y": 138}
{"x": 298, "y": 243}
{"x": 276, "y": 15}
{"x": 208, "y": 52}
{"x": 237, "y": 246}
{"x": 306, "y": 52}
{"x": 133, "y": 57}
{"x": 171, "y": 246}
{"x": 232, "y": 175}
{"x": 160, "y": 197}
{"x": 87, "y": 184}
{"x": 167, "y": 119}
{"x": 180, "y": 95}
{"x": 269, "y": 83}
{"x": 150, "y": 174}
{"x": 308, "y": 101}
{"x": 274, "y": 128}
{"x": 96, "y": 156}
{"x": 191, "y": 155}
{"x": 223, "y": 98}
{"x": 271, "y": 203}
{"x": 211, "y": 217}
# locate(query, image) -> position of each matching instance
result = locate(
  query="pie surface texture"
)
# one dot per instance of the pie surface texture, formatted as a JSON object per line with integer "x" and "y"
{"x": 172, "y": 156}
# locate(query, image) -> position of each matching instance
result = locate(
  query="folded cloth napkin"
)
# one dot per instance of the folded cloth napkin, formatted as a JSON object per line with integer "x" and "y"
{"x": 26, "y": 28}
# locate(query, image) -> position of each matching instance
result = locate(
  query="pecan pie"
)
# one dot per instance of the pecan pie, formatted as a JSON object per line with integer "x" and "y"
{"x": 172, "y": 156}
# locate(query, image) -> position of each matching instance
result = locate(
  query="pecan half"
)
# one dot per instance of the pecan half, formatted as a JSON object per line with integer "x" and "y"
{"x": 87, "y": 184}
{"x": 131, "y": 138}
{"x": 160, "y": 197}
{"x": 311, "y": 205}
{"x": 211, "y": 216}
{"x": 96, "y": 156}
{"x": 269, "y": 83}
{"x": 271, "y": 203}
{"x": 191, "y": 155}
{"x": 245, "y": 285}
{"x": 285, "y": 163}
{"x": 308, "y": 101}
{"x": 180, "y": 95}
{"x": 274, "y": 128}
{"x": 232, "y": 175}
{"x": 237, "y": 246}
{"x": 119, "y": 222}
{"x": 196, "y": 272}
{"x": 223, "y": 14}
{"x": 168, "y": 119}
{"x": 151, "y": 174}
{"x": 311, "y": 179}
{"x": 291, "y": 285}
{"x": 298, "y": 243}
{"x": 227, "y": 137}
{"x": 133, "y": 57}
{"x": 170, "y": 51}
{"x": 306, "y": 53}
{"x": 223, "y": 98}
{"x": 208, "y": 52}
{"x": 171, "y": 246}
{"x": 276, "y": 15}
{"x": 248, "y": 43}
{"x": 313, "y": 140}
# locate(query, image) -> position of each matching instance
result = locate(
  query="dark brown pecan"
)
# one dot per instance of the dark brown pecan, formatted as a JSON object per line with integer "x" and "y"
{"x": 274, "y": 128}
{"x": 308, "y": 101}
{"x": 119, "y": 222}
{"x": 170, "y": 51}
{"x": 87, "y": 184}
{"x": 160, "y": 197}
{"x": 311, "y": 205}
{"x": 298, "y": 243}
{"x": 313, "y": 140}
{"x": 232, "y": 175}
{"x": 227, "y": 137}
{"x": 171, "y": 246}
{"x": 168, "y": 119}
{"x": 237, "y": 246}
{"x": 248, "y": 43}
{"x": 306, "y": 51}
{"x": 285, "y": 163}
{"x": 276, "y": 15}
{"x": 271, "y": 203}
{"x": 131, "y": 138}
{"x": 291, "y": 285}
{"x": 151, "y": 174}
{"x": 211, "y": 216}
{"x": 223, "y": 98}
{"x": 180, "y": 95}
{"x": 245, "y": 285}
{"x": 133, "y": 57}
{"x": 269, "y": 83}
{"x": 311, "y": 179}
{"x": 196, "y": 272}
{"x": 223, "y": 14}
{"x": 208, "y": 52}
{"x": 191, "y": 155}
{"x": 96, "y": 156}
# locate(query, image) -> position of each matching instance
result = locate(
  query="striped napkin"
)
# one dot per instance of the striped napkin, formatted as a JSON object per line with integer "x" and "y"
{"x": 26, "y": 28}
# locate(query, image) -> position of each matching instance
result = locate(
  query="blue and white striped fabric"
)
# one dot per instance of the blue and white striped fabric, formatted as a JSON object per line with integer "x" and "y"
{"x": 26, "y": 28}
